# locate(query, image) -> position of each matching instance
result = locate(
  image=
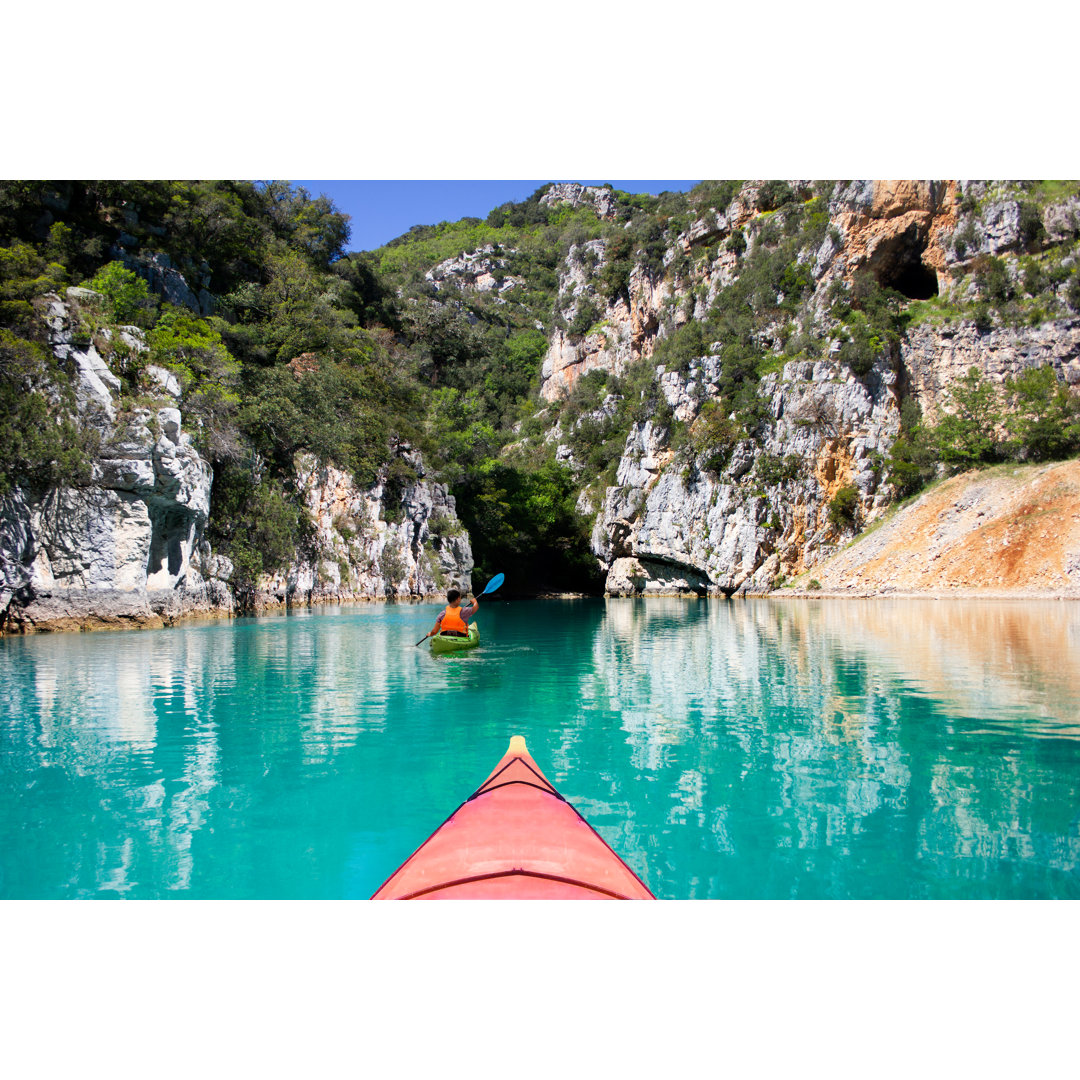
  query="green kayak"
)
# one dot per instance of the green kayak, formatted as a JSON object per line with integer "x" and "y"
{"x": 444, "y": 643}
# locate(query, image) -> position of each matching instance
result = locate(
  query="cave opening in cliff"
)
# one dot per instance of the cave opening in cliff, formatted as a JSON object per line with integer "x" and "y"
{"x": 906, "y": 272}
{"x": 916, "y": 281}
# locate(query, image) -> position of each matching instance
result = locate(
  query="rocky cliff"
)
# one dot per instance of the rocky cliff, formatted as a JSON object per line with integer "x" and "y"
{"x": 670, "y": 525}
{"x": 373, "y": 543}
{"x": 681, "y": 517}
{"x": 128, "y": 547}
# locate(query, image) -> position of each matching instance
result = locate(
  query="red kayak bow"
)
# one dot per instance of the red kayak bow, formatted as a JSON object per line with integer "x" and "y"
{"x": 514, "y": 838}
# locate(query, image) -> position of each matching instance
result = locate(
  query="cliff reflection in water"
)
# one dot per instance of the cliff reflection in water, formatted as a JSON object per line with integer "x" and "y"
{"x": 851, "y": 748}
{"x": 725, "y": 749}
{"x": 151, "y": 735}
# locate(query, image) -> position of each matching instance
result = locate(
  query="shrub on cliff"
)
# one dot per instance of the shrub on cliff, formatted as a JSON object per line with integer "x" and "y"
{"x": 585, "y": 318}
{"x": 981, "y": 317}
{"x": 992, "y": 278}
{"x": 41, "y": 442}
{"x": 681, "y": 347}
{"x": 844, "y": 507}
{"x": 1072, "y": 291}
{"x": 126, "y": 294}
{"x": 714, "y": 194}
{"x": 771, "y": 469}
{"x": 714, "y": 437}
{"x": 24, "y": 275}
{"x": 913, "y": 458}
{"x": 1032, "y": 230}
{"x": 968, "y": 433}
{"x": 774, "y": 194}
{"x": 1044, "y": 416}
{"x": 863, "y": 348}
{"x": 209, "y": 377}
{"x": 618, "y": 263}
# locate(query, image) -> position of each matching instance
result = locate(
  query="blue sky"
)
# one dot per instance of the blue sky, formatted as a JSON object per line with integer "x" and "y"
{"x": 383, "y": 209}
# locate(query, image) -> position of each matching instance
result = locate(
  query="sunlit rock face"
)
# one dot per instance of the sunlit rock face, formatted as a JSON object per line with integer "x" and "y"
{"x": 667, "y": 527}
{"x": 679, "y": 520}
{"x": 933, "y": 357}
{"x": 128, "y": 548}
{"x": 372, "y": 543}
{"x": 626, "y": 330}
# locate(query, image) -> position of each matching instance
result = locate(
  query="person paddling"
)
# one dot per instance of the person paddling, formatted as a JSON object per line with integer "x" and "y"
{"x": 453, "y": 618}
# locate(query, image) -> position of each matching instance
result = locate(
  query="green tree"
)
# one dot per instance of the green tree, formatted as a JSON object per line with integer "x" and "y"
{"x": 913, "y": 458}
{"x": 127, "y": 294}
{"x": 24, "y": 275}
{"x": 209, "y": 377}
{"x": 1032, "y": 230}
{"x": 1044, "y": 417}
{"x": 968, "y": 433}
{"x": 844, "y": 507}
{"x": 41, "y": 441}
{"x": 714, "y": 437}
{"x": 992, "y": 278}
{"x": 864, "y": 346}
{"x": 774, "y": 194}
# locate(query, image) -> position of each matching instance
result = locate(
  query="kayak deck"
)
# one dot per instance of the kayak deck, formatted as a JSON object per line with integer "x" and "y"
{"x": 444, "y": 643}
{"x": 514, "y": 838}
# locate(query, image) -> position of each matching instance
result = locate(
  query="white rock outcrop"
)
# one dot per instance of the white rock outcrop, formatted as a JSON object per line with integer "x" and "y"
{"x": 386, "y": 541}
{"x": 129, "y": 547}
{"x": 669, "y": 525}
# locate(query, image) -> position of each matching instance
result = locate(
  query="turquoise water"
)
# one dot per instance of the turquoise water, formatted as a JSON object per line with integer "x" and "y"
{"x": 761, "y": 749}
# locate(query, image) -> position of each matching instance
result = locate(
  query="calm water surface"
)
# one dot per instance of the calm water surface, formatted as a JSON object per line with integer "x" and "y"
{"x": 753, "y": 749}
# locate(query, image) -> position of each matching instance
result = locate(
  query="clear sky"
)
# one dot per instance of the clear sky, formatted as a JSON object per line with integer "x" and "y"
{"x": 383, "y": 209}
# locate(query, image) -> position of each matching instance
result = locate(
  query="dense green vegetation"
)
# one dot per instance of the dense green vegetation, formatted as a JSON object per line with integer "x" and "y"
{"x": 282, "y": 341}
{"x": 1033, "y": 417}
{"x": 281, "y": 285}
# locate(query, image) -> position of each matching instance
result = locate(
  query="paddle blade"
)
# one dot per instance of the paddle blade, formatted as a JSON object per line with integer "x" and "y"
{"x": 493, "y": 584}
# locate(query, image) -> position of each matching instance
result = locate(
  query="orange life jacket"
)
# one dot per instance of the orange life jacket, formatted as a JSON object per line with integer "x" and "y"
{"x": 452, "y": 620}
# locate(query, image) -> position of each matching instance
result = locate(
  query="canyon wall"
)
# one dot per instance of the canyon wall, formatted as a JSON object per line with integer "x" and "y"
{"x": 668, "y": 524}
{"x": 129, "y": 547}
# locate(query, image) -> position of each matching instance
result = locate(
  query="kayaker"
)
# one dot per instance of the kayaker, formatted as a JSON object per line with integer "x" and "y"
{"x": 453, "y": 618}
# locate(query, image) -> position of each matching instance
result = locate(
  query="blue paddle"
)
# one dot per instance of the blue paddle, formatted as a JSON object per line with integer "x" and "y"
{"x": 490, "y": 587}
{"x": 493, "y": 584}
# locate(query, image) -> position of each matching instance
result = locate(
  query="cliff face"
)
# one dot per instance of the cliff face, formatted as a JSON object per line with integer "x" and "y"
{"x": 373, "y": 543}
{"x": 933, "y": 357}
{"x": 627, "y": 331}
{"x": 669, "y": 523}
{"x": 128, "y": 548}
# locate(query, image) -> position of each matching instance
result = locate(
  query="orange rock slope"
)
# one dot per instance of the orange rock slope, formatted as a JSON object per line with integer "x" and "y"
{"x": 1003, "y": 531}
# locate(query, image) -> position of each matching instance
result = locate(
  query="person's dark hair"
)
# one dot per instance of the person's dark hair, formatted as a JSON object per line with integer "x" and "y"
{"x": 453, "y": 595}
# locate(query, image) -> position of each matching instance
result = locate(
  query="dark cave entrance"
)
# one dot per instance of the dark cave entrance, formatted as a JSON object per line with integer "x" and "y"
{"x": 900, "y": 266}
{"x": 915, "y": 280}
